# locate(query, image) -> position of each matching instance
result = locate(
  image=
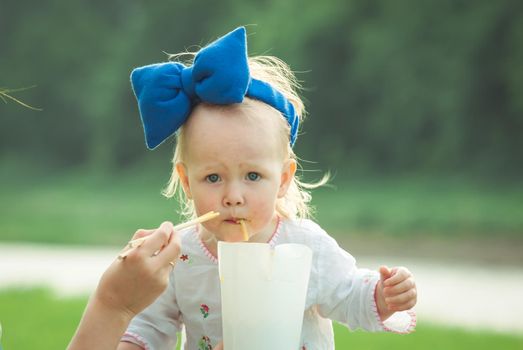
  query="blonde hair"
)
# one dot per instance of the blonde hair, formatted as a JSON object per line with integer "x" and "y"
{"x": 296, "y": 202}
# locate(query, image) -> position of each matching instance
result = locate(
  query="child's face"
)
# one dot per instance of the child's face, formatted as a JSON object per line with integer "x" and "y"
{"x": 234, "y": 164}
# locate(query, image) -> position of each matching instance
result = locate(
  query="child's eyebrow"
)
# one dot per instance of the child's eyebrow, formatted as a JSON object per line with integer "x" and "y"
{"x": 245, "y": 165}
{"x": 259, "y": 168}
{"x": 217, "y": 165}
{"x": 212, "y": 166}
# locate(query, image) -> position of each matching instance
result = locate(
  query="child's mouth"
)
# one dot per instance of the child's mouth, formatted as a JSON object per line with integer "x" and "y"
{"x": 234, "y": 221}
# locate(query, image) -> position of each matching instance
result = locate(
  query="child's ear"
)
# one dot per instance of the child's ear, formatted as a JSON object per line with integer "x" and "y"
{"x": 184, "y": 180}
{"x": 287, "y": 174}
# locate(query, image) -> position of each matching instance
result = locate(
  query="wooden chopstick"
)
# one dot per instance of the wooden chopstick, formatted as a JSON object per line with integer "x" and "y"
{"x": 244, "y": 231}
{"x": 139, "y": 241}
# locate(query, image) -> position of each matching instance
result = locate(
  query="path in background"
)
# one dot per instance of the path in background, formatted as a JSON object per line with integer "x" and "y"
{"x": 470, "y": 296}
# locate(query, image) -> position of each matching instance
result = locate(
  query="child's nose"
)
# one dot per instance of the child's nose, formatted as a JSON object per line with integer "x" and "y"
{"x": 233, "y": 197}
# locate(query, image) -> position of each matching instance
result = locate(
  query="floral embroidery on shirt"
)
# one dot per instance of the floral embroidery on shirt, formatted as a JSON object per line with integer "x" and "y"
{"x": 367, "y": 278}
{"x": 185, "y": 258}
{"x": 204, "y": 343}
{"x": 204, "y": 309}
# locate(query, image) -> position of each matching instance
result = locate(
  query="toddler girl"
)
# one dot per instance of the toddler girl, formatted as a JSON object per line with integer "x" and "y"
{"x": 236, "y": 120}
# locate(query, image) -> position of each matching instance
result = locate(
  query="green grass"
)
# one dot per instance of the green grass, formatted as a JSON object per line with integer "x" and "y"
{"x": 409, "y": 206}
{"x": 76, "y": 208}
{"x": 38, "y": 319}
{"x": 426, "y": 337}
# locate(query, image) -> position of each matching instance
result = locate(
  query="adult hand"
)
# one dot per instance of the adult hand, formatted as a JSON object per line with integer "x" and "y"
{"x": 133, "y": 283}
{"x": 126, "y": 288}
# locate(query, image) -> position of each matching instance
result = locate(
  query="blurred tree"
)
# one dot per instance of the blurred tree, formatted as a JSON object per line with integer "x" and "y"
{"x": 391, "y": 86}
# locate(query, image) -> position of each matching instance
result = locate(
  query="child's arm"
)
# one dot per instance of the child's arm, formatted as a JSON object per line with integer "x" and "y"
{"x": 396, "y": 291}
{"x": 126, "y": 288}
{"x": 350, "y": 295}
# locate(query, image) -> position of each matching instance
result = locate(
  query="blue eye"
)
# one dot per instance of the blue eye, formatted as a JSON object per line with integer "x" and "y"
{"x": 252, "y": 176}
{"x": 213, "y": 178}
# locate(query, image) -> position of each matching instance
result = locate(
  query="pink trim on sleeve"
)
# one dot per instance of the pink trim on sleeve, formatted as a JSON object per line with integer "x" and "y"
{"x": 399, "y": 330}
{"x": 135, "y": 339}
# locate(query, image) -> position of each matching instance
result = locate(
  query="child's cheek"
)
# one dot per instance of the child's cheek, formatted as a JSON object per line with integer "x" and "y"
{"x": 263, "y": 214}
{"x": 205, "y": 201}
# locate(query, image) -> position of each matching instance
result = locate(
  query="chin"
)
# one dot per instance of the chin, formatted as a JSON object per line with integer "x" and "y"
{"x": 231, "y": 237}
{"x": 232, "y": 240}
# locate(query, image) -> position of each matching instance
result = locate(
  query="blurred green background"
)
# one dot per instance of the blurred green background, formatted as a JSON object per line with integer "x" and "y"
{"x": 392, "y": 87}
{"x": 414, "y": 106}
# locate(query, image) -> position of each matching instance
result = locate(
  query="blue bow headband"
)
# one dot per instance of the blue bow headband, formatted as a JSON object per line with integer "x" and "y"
{"x": 167, "y": 92}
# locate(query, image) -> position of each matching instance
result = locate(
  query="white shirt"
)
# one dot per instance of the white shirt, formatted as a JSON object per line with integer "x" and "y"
{"x": 337, "y": 290}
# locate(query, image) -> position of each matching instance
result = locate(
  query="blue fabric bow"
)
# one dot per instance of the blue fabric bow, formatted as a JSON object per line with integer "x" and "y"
{"x": 167, "y": 92}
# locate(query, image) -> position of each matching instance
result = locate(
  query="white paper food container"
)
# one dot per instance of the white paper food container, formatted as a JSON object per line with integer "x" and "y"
{"x": 263, "y": 293}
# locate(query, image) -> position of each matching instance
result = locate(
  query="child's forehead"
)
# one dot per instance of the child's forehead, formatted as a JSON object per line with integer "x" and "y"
{"x": 248, "y": 111}
{"x": 214, "y": 130}
{"x": 254, "y": 118}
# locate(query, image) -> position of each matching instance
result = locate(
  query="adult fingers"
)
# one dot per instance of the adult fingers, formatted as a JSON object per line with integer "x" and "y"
{"x": 219, "y": 346}
{"x": 138, "y": 234}
{"x": 142, "y": 233}
{"x": 171, "y": 251}
{"x": 158, "y": 239}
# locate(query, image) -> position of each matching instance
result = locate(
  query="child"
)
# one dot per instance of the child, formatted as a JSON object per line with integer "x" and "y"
{"x": 236, "y": 121}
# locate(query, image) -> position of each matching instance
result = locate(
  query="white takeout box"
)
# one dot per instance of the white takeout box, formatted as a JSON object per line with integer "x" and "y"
{"x": 263, "y": 293}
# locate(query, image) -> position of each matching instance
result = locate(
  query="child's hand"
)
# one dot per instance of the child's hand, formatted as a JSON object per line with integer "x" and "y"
{"x": 396, "y": 291}
{"x": 130, "y": 285}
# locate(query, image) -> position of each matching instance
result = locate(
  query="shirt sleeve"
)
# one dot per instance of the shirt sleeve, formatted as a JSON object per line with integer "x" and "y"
{"x": 346, "y": 292}
{"x": 156, "y": 326}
